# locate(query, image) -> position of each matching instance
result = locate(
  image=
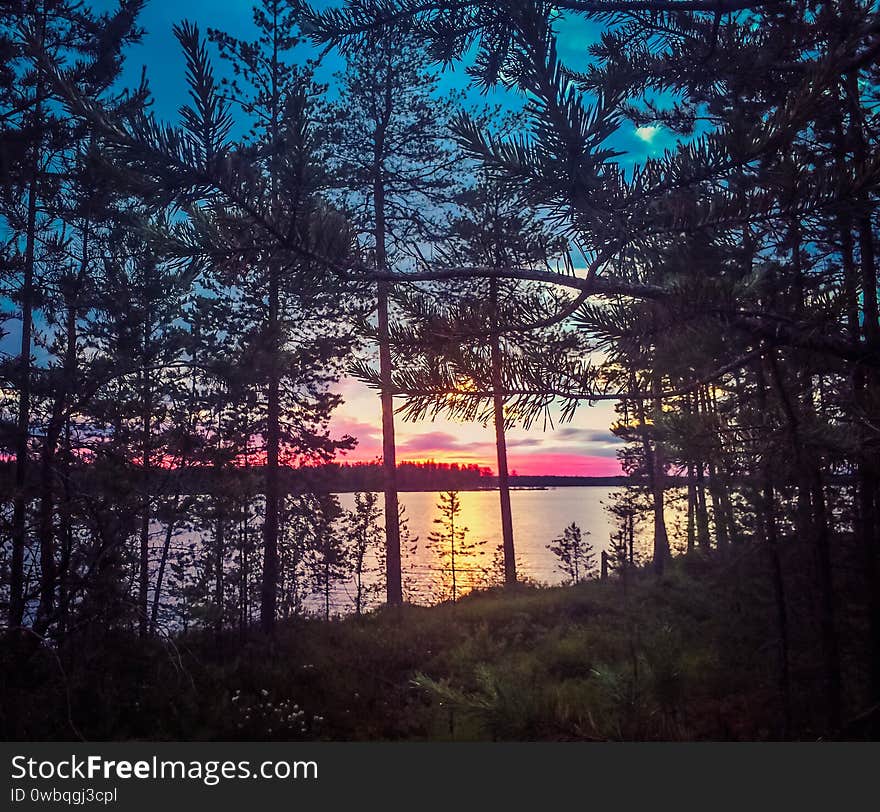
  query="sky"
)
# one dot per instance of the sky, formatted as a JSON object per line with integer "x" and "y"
{"x": 582, "y": 447}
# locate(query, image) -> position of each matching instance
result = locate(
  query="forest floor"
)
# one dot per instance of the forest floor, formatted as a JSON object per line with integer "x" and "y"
{"x": 691, "y": 655}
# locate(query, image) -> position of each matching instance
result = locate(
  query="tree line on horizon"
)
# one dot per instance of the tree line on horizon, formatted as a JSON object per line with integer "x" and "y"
{"x": 338, "y": 477}
{"x": 190, "y": 294}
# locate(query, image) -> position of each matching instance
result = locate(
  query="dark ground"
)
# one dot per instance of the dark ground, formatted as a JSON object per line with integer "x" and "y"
{"x": 693, "y": 655}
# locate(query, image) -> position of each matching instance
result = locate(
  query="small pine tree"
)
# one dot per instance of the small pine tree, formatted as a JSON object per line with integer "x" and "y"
{"x": 329, "y": 564}
{"x": 295, "y": 551}
{"x": 496, "y": 572}
{"x": 575, "y": 554}
{"x": 409, "y": 550}
{"x": 458, "y": 557}
{"x": 365, "y": 536}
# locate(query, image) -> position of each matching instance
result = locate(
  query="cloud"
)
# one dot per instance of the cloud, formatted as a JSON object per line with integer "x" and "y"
{"x": 608, "y": 450}
{"x": 572, "y": 441}
{"x": 438, "y": 441}
{"x": 584, "y": 436}
{"x": 368, "y": 436}
{"x": 525, "y": 442}
{"x": 356, "y": 428}
{"x": 647, "y": 133}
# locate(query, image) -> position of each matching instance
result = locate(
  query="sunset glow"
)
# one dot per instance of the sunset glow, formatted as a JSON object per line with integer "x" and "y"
{"x": 584, "y": 447}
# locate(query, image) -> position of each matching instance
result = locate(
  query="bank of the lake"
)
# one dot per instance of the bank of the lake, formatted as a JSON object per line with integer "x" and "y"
{"x": 691, "y": 655}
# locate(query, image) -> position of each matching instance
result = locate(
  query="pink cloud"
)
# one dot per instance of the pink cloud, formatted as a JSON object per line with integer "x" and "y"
{"x": 443, "y": 442}
{"x": 368, "y": 435}
{"x": 564, "y": 465}
{"x": 356, "y": 428}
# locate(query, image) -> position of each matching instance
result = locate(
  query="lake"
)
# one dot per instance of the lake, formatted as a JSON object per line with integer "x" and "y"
{"x": 539, "y": 516}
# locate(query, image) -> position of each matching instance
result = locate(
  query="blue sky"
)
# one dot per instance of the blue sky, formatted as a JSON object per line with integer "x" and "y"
{"x": 584, "y": 446}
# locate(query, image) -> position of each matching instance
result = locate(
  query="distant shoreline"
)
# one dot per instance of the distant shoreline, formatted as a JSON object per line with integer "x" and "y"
{"x": 334, "y": 478}
{"x": 527, "y": 483}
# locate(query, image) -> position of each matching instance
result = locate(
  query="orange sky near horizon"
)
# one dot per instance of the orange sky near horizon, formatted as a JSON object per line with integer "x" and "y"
{"x": 582, "y": 447}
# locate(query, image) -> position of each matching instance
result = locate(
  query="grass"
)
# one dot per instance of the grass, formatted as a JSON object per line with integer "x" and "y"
{"x": 691, "y": 655}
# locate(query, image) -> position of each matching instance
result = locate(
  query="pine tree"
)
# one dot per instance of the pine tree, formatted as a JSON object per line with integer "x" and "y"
{"x": 44, "y": 172}
{"x": 256, "y": 218}
{"x": 141, "y": 302}
{"x": 361, "y": 525}
{"x": 575, "y": 554}
{"x": 394, "y": 171}
{"x": 456, "y": 558}
{"x": 328, "y": 563}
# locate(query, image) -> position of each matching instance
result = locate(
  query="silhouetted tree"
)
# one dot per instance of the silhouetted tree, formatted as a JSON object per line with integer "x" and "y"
{"x": 44, "y": 173}
{"x": 575, "y": 554}
{"x": 456, "y": 558}
{"x": 394, "y": 170}
{"x": 363, "y": 531}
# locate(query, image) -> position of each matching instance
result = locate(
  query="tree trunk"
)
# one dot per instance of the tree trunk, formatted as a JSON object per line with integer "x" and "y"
{"x": 219, "y": 549}
{"x": 771, "y": 541}
{"x": 452, "y": 557}
{"x": 46, "y": 522}
{"x": 19, "y": 509}
{"x": 269, "y": 586}
{"x": 725, "y": 528}
{"x": 715, "y": 491}
{"x": 654, "y": 469}
{"x": 630, "y": 538}
{"x": 393, "y": 585}
{"x": 146, "y": 427}
{"x": 501, "y": 445}
{"x": 691, "y": 509}
{"x": 246, "y": 563}
{"x": 702, "y": 513}
{"x": 69, "y": 387}
{"x": 810, "y": 480}
{"x": 703, "y": 538}
{"x": 57, "y": 422}
{"x": 830, "y": 643}
{"x": 393, "y": 581}
{"x": 64, "y": 587}
{"x": 865, "y": 382}
{"x": 766, "y": 506}
{"x": 163, "y": 560}
{"x": 867, "y": 476}
{"x": 868, "y": 468}
{"x": 144, "y": 563}
{"x": 243, "y": 574}
{"x": 847, "y": 259}
{"x": 326, "y": 590}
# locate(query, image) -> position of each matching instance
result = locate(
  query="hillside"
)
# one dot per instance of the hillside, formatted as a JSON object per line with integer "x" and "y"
{"x": 689, "y": 656}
